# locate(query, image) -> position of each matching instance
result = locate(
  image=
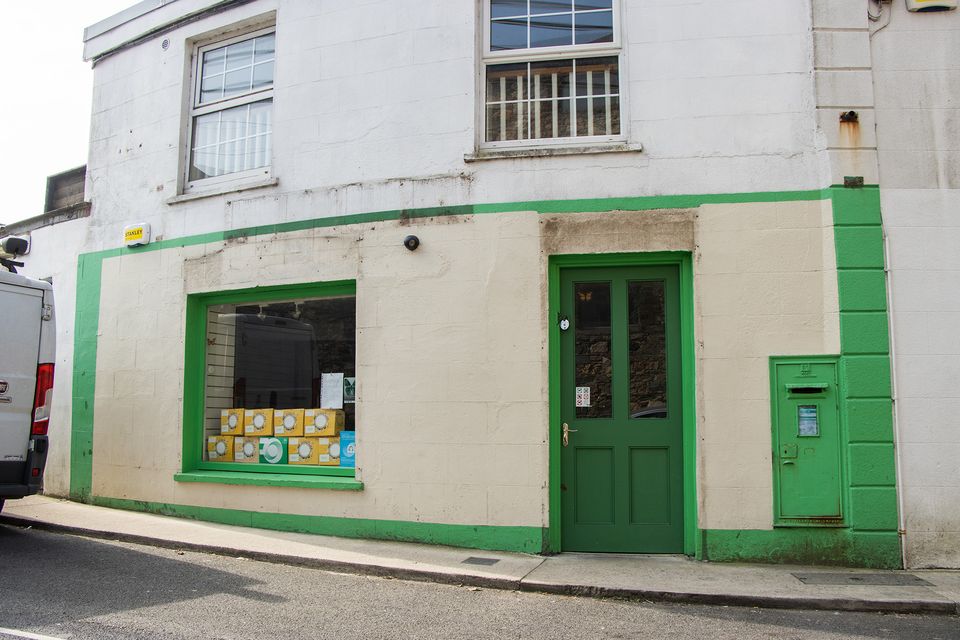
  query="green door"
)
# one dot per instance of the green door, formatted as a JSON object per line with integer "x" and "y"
{"x": 621, "y": 407}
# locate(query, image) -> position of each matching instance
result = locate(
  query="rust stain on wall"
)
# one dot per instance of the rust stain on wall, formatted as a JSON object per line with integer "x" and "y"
{"x": 850, "y": 134}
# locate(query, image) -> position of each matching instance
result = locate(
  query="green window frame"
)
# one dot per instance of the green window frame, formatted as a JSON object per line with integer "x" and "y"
{"x": 193, "y": 467}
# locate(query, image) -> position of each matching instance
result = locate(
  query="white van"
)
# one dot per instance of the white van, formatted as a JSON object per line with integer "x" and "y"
{"x": 27, "y": 353}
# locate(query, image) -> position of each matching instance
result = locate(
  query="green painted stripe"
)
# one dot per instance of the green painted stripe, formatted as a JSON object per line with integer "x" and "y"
{"x": 864, "y": 341}
{"x": 843, "y": 547}
{"x": 585, "y": 205}
{"x": 271, "y": 480}
{"x": 86, "y": 328}
{"x": 520, "y": 539}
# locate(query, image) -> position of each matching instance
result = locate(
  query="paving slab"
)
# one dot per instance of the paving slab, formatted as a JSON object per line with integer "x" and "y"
{"x": 683, "y": 579}
{"x": 662, "y": 578}
{"x": 374, "y": 557}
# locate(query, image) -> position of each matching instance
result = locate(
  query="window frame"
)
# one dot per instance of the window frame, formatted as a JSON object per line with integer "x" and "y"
{"x": 195, "y": 109}
{"x": 194, "y": 379}
{"x": 543, "y": 54}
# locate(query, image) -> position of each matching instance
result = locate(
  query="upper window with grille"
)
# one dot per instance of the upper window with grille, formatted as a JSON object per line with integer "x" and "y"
{"x": 551, "y": 72}
{"x": 232, "y": 107}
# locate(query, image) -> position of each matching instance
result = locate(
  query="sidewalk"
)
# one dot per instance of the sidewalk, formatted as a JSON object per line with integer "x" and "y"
{"x": 653, "y": 578}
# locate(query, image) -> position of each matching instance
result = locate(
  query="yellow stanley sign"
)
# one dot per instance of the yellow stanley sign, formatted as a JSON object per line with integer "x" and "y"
{"x": 136, "y": 235}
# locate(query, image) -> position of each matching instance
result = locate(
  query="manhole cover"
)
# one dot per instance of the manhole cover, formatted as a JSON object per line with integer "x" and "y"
{"x": 871, "y": 579}
{"x": 483, "y": 561}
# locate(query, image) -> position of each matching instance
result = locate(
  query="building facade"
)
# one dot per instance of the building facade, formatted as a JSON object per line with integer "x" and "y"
{"x": 646, "y": 310}
{"x": 917, "y": 106}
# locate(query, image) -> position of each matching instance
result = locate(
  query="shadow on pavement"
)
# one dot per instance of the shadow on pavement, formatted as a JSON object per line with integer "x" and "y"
{"x": 48, "y": 578}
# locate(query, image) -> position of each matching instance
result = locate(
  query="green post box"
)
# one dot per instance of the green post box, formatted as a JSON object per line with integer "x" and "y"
{"x": 807, "y": 476}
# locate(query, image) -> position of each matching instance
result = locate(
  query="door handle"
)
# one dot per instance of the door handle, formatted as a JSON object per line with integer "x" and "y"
{"x": 788, "y": 462}
{"x": 566, "y": 433}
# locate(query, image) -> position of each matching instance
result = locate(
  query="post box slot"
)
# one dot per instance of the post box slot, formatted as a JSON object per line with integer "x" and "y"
{"x": 806, "y": 389}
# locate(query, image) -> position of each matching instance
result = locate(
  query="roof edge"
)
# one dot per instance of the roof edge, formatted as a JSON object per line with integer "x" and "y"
{"x": 118, "y": 19}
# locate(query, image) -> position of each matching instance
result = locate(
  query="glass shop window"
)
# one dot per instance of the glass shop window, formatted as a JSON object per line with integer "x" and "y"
{"x": 280, "y": 385}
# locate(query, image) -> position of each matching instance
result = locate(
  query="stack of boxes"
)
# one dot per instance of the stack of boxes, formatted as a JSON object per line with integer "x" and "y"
{"x": 283, "y": 436}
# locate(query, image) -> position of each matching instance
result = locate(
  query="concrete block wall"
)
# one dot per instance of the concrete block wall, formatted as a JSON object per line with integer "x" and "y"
{"x": 375, "y": 106}
{"x": 765, "y": 285}
{"x": 844, "y": 82}
{"x": 916, "y": 62}
{"x": 450, "y": 422}
{"x": 452, "y": 379}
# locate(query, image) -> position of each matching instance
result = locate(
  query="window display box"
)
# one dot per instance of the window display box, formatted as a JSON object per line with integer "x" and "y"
{"x": 220, "y": 448}
{"x": 288, "y": 422}
{"x": 231, "y": 422}
{"x": 258, "y": 422}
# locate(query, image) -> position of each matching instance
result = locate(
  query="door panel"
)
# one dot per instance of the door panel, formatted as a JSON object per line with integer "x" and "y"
{"x": 595, "y": 472}
{"x": 649, "y": 475}
{"x": 622, "y": 464}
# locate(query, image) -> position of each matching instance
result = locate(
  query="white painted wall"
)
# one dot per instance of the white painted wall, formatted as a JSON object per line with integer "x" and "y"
{"x": 375, "y": 106}
{"x": 53, "y": 254}
{"x": 916, "y": 60}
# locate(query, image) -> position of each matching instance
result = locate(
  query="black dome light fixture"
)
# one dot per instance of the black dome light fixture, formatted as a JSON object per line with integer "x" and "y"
{"x": 411, "y": 242}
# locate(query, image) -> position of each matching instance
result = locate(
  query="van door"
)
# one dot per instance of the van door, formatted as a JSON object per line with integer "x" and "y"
{"x": 20, "y": 311}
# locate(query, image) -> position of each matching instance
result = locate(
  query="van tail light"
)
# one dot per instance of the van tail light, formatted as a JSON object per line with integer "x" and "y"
{"x": 42, "y": 400}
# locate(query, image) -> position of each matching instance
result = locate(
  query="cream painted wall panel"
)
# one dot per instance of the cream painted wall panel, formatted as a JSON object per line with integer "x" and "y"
{"x": 424, "y": 421}
{"x": 418, "y": 440}
{"x": 763, "y": 287}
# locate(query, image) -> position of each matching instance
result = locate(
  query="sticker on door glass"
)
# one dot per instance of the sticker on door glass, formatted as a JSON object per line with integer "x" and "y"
{"x": 807, "y": 422}
{"x": 583, "y": 397}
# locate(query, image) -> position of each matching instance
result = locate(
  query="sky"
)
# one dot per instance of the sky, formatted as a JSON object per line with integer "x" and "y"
{"x": 46, "y": 103}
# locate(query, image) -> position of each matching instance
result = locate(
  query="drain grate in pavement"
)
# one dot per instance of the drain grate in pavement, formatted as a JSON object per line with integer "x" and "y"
{"x": 868, "y": 579}
{"x": 484, "y": 561}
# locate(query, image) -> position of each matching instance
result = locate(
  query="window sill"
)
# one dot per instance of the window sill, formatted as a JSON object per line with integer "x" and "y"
{"x": 340, "y": 483}
{"x": 225, "y": 189}
{"x": 550, "y": 151}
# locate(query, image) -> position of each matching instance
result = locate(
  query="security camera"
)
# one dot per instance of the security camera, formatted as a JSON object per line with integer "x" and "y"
{"x": 411, "y": 242}
{"x": 14, "y": 246}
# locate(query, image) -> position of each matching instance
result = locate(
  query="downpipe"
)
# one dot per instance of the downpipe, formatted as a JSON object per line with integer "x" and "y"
{"x": 894, "y": 397}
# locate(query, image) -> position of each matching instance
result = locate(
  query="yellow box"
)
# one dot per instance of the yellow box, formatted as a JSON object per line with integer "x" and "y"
{"x": 322, "y": 422}
{"x": 220, "y": 448}
{"x": 246, "y": 449}
{"x": 288, "y": 422}
{"x": 257, "y": 422}
{"x": 231, "y": 422}
{"x": 303, "y": 451}
{"x": 315, "y": 451}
